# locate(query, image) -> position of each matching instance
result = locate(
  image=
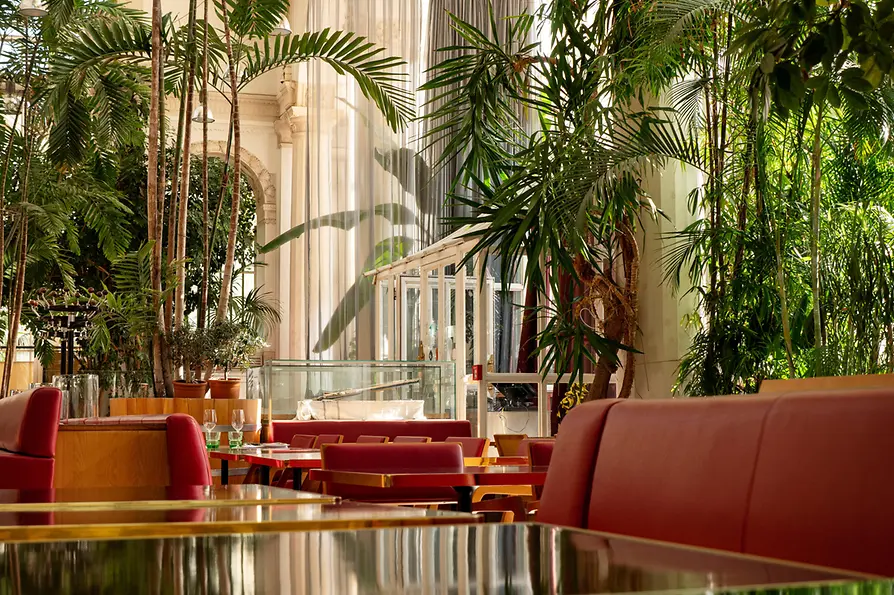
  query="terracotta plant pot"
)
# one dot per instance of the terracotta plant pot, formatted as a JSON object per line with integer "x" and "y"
{"x": 225, "y": 389}
{"x": 190, "y": 390}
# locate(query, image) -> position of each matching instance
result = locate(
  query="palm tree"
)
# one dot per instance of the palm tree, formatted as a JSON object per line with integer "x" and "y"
{"x": 125, "y": 44}
{"x": 551, "y": 154}
{"x": 775, "y": 91}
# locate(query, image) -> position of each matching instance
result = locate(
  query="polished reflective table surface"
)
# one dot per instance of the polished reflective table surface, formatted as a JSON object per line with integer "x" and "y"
{"x": 153, "y": 497}
{"x": 30, "y": 526}
{"x": 481, "y": 558}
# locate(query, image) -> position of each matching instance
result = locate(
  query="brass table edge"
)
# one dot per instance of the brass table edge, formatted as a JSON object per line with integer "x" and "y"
{"x": 47, "y": 533}
{"x": 156, "y": 504}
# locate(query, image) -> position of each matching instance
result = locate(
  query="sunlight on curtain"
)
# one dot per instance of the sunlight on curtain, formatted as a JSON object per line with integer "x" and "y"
{"x": 357, "y": 166}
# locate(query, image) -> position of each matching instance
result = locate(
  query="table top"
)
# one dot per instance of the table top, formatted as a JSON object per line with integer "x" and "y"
{"x": 56, "y": 525}
{"x": 309, "y": 457}
{"x": 437, "y": 478}
{"x": 475, "y": 558}
{"x": 147, "y": 498}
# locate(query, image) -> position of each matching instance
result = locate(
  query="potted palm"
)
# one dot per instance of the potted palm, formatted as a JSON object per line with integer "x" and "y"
{"x": 189, "y": 352}
{"x": 231, "y": 346}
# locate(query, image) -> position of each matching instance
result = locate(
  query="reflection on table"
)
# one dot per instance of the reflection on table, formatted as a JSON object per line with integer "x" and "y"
{"x": 145, "y": 498}
{"x": 406, "y": 560}
{"x": 32, "y": 526}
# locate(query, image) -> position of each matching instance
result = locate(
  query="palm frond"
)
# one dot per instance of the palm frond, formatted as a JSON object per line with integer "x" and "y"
{"x": 377, "y": 76}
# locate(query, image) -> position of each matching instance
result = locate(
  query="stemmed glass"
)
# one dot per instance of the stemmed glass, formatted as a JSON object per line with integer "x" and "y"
{"x": 210, "y": 422}
{"x": 237, "y": 420}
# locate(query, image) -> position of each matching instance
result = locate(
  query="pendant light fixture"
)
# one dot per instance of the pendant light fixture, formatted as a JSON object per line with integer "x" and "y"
{"x": 32, "y": 8}
{"x": 202, "y": 114}
{"x": 284, "y": 28}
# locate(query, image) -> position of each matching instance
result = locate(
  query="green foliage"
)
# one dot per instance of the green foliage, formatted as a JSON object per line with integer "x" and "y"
{"x": 231, "y": 345}
{"x": 789, "y": 253}
{"x": 551, "y": 156}
{"x": 346, "y": 53}
{"x": 190, "y": 349}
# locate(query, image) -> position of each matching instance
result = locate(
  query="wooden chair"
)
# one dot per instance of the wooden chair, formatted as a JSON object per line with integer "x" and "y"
{"x": 302, "y": 441}
{"x": 372, "y": 440}
{"x": 508, "y": 444}
{"x": 328, "y": 439}
{"x": 411, "y": 440}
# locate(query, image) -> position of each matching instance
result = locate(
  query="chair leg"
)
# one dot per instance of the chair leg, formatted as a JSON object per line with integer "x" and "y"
{"x": 512, "y": 507}
{"x": 252, "y": 475}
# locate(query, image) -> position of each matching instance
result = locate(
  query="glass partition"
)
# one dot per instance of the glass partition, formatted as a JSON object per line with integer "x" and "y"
{"x": 354, "y": 389}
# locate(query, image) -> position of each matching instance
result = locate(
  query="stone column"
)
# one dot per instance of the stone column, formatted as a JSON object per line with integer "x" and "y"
{"x": 292, "y": 132}
{"x": 662, "y": 338}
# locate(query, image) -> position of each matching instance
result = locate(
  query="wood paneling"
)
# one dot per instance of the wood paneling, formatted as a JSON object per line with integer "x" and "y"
{"x": 827, "y": 383}
{"x": 192, "y": 407}
{"x": 97, "y": 456}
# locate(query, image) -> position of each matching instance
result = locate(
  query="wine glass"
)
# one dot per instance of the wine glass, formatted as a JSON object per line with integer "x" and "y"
{"x": 210, "y": 420}
{"x": 237, "y": 420}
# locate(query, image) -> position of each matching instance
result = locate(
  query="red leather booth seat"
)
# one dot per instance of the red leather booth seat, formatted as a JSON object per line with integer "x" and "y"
{"x": 29, "y": 423}
{"x": 801, "y": 476}
{"x": 381, "y": 458}
{"x": 436, "y": 429}
{"x": 187, "y": 458}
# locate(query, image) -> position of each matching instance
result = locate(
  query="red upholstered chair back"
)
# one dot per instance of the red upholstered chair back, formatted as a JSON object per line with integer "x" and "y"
{"x": 411, "y": 440}
{"x": 472, "y": 447}
{"x": 678, "y": 471}
{"x": 29, "y": 424}
{"x": 823, "y": 486}
{"x": 566, "y": 492}
{"x": 328, "y": 439}
{"x": 187, "y": 459}
{"x": 524, "y": 447}
{"x": 372, "y": 439}
{"x": 541, "y": 452}
{"x": 392, "y": 458}
{"x": 302, "y": 441}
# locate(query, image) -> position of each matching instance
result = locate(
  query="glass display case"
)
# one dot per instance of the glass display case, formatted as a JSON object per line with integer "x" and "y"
{"x": 354, "y": 389}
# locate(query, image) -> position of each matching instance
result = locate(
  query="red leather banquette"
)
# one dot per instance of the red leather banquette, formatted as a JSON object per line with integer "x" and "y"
{"x": 29, "y": 422}
{"x": 801, "y": 476}
{"x": 436, "y": 429}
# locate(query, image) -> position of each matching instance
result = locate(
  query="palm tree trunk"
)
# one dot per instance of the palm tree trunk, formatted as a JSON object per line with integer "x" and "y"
{"x": 15, "y": 305}
{"x": 630, "y": 253}
{"x": 152, "y": 190}
{"x": 8, "y": 156}
{"x": 227, "y": 278}
{"x": 206, "y": 252}
{"x": 175, "y": 199}
{"x": 183, "y": 203}
{"x": 816, "y": 179}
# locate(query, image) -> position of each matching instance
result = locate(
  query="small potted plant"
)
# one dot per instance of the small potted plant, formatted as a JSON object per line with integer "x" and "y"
{"x": 231, "y": 346}
{"x": 189, "y": 351}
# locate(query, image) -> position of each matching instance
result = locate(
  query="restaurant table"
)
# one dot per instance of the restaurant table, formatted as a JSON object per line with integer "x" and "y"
{"x": 160, "y": 497}
{"x": 302, "y": 459}
{"x": 464, "y": 482}
{"x": 114, "y": 522}
{"x": 265, "y": 459}
{"x": 474, "y": 558}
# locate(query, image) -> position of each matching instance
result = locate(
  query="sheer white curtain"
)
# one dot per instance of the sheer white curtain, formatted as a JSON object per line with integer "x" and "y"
{"x": 357, "y": 166}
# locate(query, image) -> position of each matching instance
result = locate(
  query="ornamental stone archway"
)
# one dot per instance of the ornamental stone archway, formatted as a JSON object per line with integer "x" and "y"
{"x": 259, "y": 177}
